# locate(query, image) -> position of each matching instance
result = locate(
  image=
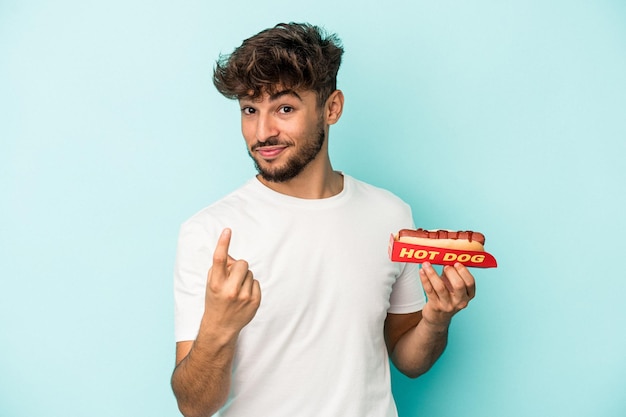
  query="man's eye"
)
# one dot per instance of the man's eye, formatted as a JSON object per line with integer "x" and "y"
{"x": 247, "y": 110}
{"x": 286, "y": 109}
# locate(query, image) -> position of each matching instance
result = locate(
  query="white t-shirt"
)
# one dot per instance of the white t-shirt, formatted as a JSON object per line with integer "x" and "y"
{"x": 316, "y": 345}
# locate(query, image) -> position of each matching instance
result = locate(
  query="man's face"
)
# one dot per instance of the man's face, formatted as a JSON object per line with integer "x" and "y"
{"x": 284, "y": 132}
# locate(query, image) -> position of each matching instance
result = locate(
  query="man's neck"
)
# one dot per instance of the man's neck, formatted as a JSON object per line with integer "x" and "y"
{"x": 309, "y": 185}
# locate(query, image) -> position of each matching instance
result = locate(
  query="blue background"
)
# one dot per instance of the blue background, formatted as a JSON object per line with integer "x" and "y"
{"x": 506, "y": 117}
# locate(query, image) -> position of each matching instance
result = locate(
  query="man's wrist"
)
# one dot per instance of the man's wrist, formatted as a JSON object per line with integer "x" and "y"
{"x": 436, "y": 326}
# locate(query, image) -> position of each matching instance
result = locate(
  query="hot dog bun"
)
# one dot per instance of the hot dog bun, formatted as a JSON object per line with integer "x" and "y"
{"x": 449, "y": 239}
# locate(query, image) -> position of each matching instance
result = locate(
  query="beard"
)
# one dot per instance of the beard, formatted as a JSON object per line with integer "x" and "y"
{"x": 294, "y": 165}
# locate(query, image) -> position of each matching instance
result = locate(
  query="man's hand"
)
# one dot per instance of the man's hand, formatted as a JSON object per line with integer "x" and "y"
{"x": 414, "y": 351}
{"x": 447, "y": 294}
{"x": 233, "y": 296}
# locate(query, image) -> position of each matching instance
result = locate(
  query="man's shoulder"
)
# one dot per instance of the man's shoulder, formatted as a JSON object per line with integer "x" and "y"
{"x": 224, "y": 205}
{"x": 374, "y": 192}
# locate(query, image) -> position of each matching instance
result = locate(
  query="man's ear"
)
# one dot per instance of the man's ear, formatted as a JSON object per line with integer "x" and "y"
{"x": 334, "y": 107}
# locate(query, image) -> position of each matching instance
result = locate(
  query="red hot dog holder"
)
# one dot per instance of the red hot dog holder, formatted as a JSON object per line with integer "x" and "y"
{"x": 406, "y": 252}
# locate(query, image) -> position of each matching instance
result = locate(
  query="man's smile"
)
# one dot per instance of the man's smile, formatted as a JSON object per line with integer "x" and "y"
{"x": 270, "y": 152}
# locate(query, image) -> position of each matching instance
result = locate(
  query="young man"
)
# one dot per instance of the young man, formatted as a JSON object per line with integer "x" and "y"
{"x": 286, "y": 301}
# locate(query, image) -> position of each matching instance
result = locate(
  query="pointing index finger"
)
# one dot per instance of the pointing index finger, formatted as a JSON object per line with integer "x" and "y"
{"x": 221, "y": 259}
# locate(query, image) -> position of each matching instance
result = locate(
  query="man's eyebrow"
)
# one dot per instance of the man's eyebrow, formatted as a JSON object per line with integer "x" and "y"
{"x": 272, "y": 97}
{"x": 282, "y": 93}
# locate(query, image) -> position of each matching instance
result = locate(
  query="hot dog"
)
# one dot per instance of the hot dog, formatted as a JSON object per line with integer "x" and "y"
{"x": 449, "y": 239}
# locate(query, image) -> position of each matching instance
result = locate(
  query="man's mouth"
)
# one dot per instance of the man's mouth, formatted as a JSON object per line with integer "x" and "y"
{"x": 270, "y": 152}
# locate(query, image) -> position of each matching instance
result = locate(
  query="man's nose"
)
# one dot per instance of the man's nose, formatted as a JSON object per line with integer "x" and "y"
{"x": 266, "y": 128}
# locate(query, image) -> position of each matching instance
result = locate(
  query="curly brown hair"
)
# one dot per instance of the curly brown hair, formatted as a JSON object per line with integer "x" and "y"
{"x": 289, "y": 56}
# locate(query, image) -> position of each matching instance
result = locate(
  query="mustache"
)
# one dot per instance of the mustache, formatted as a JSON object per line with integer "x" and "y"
{"x": 273, "y": 141}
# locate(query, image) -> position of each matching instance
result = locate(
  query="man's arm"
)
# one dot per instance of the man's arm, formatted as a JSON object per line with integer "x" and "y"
{"x": 201, "y": 379}
{"x": 415, "y": 341}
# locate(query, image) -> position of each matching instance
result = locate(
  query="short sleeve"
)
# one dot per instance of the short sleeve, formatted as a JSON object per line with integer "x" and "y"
{"x": 407, "y": 294}
{"x": 193, "y": 260}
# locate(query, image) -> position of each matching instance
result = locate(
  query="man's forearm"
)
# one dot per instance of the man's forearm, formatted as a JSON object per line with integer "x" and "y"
{"x": 418, "y": 349}
{"x": 201, "y": 381}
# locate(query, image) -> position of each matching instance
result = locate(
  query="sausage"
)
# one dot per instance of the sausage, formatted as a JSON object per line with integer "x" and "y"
{"x": 464, "y": 239}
